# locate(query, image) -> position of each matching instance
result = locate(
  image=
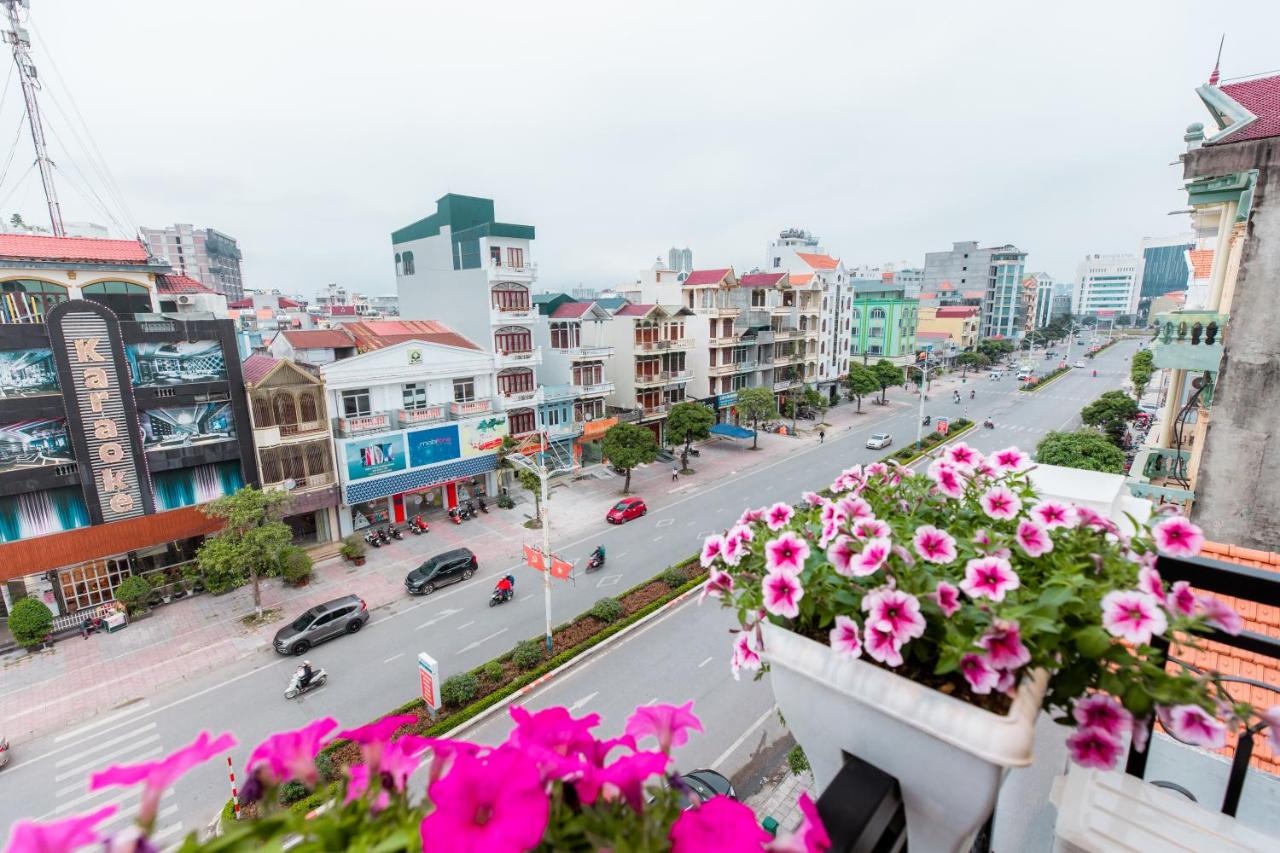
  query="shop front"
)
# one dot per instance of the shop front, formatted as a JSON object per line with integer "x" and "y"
{"x": 311, "y": 516}
{"x": 590, "y": 445}
{"x": 724, "y": 405}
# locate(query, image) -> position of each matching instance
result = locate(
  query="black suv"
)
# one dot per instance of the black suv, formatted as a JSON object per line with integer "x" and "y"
{"x": 344, "y": 615}
{"x": 441, "y": 570}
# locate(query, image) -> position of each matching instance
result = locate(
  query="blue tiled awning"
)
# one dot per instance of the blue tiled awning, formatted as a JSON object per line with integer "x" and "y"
{"x": 731, "y": 431}
{"x": 368, "y": 490}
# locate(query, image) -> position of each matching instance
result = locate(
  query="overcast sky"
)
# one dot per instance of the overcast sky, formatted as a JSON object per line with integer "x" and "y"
{"x": 311, "y": 130}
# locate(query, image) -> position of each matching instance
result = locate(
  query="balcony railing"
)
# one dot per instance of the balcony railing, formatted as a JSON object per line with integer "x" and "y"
{"x": 647, "y": 412}
{"x": 361, "y": 424}
{"x": 470, "y": 408}
{"x": 669, "y": 376}
{"x": 522, "y": 358}
{"x": 1189, "y": 340}
{"x": 296, "y": 484}
{"x": 290, "y": 430}
{"x": 424, "y": 415}
{"x": 660, "y": 346}
{"x": 510, "y": 397}
{"x": 585, "y": 352}
{"x": 722, "y": 340}
{"x": 721, "y": 369}
{"x": 592, "y": 388}
{"x": 783, "y": 384}
{"x": 556, "y": 393}
{"x": 654, "y": 378}
{"x": 502, "y": 316}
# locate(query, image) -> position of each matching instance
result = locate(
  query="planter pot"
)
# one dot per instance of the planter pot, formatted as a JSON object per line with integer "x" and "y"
{"x": 948, "y": 756}
{"x": 359, "y": 561}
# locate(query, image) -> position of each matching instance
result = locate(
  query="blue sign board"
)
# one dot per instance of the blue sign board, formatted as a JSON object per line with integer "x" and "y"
{"x": 369, "y": 457}
{"x": 432, "y": 446}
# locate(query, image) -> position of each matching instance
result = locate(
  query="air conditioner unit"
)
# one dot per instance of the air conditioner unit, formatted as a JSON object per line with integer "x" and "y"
{"x": 184, "y": 300}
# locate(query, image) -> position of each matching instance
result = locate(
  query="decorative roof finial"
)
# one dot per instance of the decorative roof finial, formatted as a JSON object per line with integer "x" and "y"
{"x": 1213, "y": 75}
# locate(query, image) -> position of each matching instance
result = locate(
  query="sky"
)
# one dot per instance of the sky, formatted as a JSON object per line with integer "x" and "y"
{"x": 311, "y": 130}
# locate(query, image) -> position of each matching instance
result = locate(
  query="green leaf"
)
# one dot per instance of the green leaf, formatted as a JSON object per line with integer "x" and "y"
{"x": 1092, "y": 642}
{"x": 1137, "y": 701}
{"x": 1056, "y": 596}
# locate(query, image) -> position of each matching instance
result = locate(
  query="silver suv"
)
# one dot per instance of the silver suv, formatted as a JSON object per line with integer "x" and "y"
{"x": 344, "y": 615}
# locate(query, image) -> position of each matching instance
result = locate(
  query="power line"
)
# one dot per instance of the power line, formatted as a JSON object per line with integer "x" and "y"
{"x": 13, "y": 149}
{"x": 17, "y": 184}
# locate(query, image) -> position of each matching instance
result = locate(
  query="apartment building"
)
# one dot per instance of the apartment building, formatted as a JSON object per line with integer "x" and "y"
{"x": 576, "y": 348}
{"x": 959, "y": 323}
{"x": 1106, "y": 286}
{"x": 781, "y": 315}
{"x": 204, "y": 254}
{"x": 652, "y": 363}
{"x": 989, "y": 276}
{"x": 884, "y": 323}
{"x": 808, "y": 264}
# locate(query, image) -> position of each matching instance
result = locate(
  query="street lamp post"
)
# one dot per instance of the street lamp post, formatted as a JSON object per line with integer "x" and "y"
{"x": 544, "y": 474}
{"x": 924, "y": 387}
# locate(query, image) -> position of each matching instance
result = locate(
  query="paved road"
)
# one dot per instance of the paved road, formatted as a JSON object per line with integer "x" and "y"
{"x": 375, "y": 669}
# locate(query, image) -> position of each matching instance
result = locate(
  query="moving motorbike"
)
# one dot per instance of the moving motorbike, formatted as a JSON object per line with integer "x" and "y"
{"x": 927, "y": 420}
{"x": 295, "y": 687}
{"x": 500, "y": 595}
{"x": 595, "y": 561}
{"x": 987, "y": 424}
{"x": 371, "y": 536}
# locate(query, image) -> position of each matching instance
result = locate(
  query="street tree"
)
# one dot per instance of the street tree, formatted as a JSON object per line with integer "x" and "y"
{"x": 530, "y": 480}
{"x": 815, "y": 399}
{"x": 861, "y": 381}
{"x": 628, "y": 445}
{"x": 252, "y": 539}
{"x": 686, "y": 423}
{"x": 1110, "y": 413}
{"x": 966, "y": 360}
{"x": 504, "y": 464}
{"x": 995, "y": 348}
{"x": 1084, "y": 449}
{"x": 1140, "y": 371}
{"x": 888, "y": 374}
{"x": 756, "y": 405}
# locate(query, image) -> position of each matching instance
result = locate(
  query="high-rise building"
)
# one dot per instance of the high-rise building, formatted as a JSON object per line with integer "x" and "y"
{"x": 209, "y": 256}
{"x": 680, "y": 261}
{"x": 1106, "y": 285}
{"x": 1164, "y": 267}
{"x": 797, "y": 253}
{"x": 990, "y": 276}
{"x": 1040, "y": 288}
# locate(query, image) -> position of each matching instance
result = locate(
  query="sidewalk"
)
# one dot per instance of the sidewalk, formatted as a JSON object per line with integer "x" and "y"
{"x": 78, "y": 678}
{"x": 778, "y": 799}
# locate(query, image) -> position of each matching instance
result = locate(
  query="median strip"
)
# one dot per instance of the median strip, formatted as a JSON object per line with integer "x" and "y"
{"x": 1040, "y": 383}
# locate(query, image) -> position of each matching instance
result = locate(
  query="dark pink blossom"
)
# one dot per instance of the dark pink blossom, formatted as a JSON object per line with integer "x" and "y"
{"x": 669, "y": 725}
{"x": 1132, "y": 615}
{"x": 947, "y": 597}
{"x": 809, "y": 837}
{"x": 1181, "y": 599}
{"x": 989, "y": 577}
{"x": 854, "y": 509}
{"x": 718, "y": 583}
{"x": 1178, "y": 537}
{"x": 1011, "y": 459}
{"x": 786, "y": 553}
{"x": 934, "y": 545}
{"x": 1219, "y": 614}
{"x": 712, "y": 549}
{"x": 946, "y": 478}
{"x": 1033, "y": 539}
{"x": 962, "y": 455}
{"x": 56, "y": 836}
{"x": 845, "y": 639}
{"x": 1192, "y": 724}
{"x": 1000, "y": 503}
{"x": 841, "y": 553}
{"x": 1004, "y": 647}
{"x": 1094, "y": 748}
{"x": 779, "y": 515}
{"x": 882, "y": 645}
{"x": 782, "y": 594}
{"x": 895, "y": 612}
{"x": 978, "y": 672}
{"x": 1054, "y": 514}
{"x": 873, "y": 556}
{"x": 292, "y": 755}
{"x": 1101, "y": 711}
{"x": 555, "y": 730}
{"x": 1150, "y": 583}
{"x": 744, "y": 656}
{"x": 373, "y": 737}
{"x": 871, "y": 528}
{"x": 719, "y": 824}
{"x": 497, "y": 803}
{"x": 751, "y": 516}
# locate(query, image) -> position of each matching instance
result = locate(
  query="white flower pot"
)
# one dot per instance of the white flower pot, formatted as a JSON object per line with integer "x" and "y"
{"x": 948, "y": 756}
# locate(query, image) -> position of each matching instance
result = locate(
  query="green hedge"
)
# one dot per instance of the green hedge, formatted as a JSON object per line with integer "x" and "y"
{"x": 907, "y": 455}
{"x": 1048, "y": 377}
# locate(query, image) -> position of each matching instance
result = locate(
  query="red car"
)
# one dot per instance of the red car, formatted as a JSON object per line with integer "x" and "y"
{"x": 625, "y": 510}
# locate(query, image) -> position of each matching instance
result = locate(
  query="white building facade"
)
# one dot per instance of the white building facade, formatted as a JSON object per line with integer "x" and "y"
{"x": 810, "y": 268}
{"x": 1106, "y": 285}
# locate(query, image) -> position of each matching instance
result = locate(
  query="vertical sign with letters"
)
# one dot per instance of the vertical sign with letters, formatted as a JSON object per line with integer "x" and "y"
{"x": 94, "y": 382}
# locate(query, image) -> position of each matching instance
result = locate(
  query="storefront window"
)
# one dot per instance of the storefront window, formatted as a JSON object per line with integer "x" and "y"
{"x": 464, "y": 390}
{"x": 355, "y": 403}
{"x": 93, "y": 583}
{"x": 370, "y": 513}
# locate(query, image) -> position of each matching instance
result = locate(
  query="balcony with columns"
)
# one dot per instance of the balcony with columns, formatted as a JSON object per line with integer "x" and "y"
{"x": 1189, "y": 340}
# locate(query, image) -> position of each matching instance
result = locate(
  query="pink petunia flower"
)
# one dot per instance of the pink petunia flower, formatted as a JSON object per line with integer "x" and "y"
{"x": 871, "y": 528}
{"x": 854, "y": 508}
{"x": 895, "y": 612}
{"x": 982, "y": 538}
{"x": 1000, "y": 503}
{"x": 1141, "y": 733}
{"x": 934, "y": 545}
{"x": 717, "y": 824}
{"x": 669, "y": 725}
{"x": 989, "y": 577}
{"x": 1101, "y": 711}
{"x": 1271, "y": 717}
{"x": 1178, "y": 537}
{"x": 157, "y": 776}
{"x": 982, "y": 471}
{"x": 782, "y": 594}
{"x": 813, "y": 498}
{"x": 1181, "y": 599}
{"x": 882, "y": 645}
{"x": 624, "y": 778}
{"x": 831, "y": 514}
{"x": 1219, "y": 614}
{"x": 946, "y": 478}
{"x": 947, "y": 597}
{"x": 497, "y": 803}
{"x": 744, "y": 657}
{"x": 401, "y": 758}
{"x": 873, "y": 556}
{"x": 1033, "y": 539}
{"x": 845, "y": 638}
{"x": 358, "y": 779}
{"x": 877, "y": 469}
{"x": 779, "y": 515}
{"x": 718, "y": 583}
{"x": 552, "y": 729}
{"x": 1132, "y": 615}
{"x": 292, "y": 755}
{"x": 70, "y": 833}
{"x": 1054, "y": 514}
{"x": 962, "y": 455}
{"x": 786, "y": 553}
{"x": 751, "y": 516}
{"x": 1150, "y": 583}
{"x": 1192, "y": 724}
{"x": 1011, "y": 459}
{"x": 1004, "y": 647}
{"x": 1094, "y": 748}
{"x": 978, "y": 672}
{"x": 809, "y": 837}
{"x": 1007, "y": 681}
{"x": 373, "y": 737}
{"x": 841, "y": 553}
{"x": 829, "y": 534}
{"x": 733, "y": 549}
{"x": 712, "y": 550}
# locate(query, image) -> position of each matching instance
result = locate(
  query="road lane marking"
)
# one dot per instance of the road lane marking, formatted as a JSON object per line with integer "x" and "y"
{"x": 120, "y": 797}
{"x": 582, "y": 703}
{"x": 97, "y": 724}
{"x": 80, "y": 769}
{"x": 705, "y": 662}
{"x": 482, "y": 641}
{"x": 526, "y": 597}
{"x": 609, "y": 580}
{"x": 394, "y": 657}
{"x": 102, "y": 745}
{"x": 733, "y": 747}
{"x": 652, "y": 701}
{"x": 665, "y": 522}
{"x": 444, "y": 614}
{"x": 167, "y": 811}
{"x": 466, "y": 624}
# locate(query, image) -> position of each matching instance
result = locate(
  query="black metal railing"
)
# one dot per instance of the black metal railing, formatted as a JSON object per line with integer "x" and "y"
{"x": 1242, "y": 582}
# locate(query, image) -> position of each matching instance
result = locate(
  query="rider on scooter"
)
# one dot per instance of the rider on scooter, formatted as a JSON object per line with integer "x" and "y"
{"x": 305, "y": 674}
{"x": 506, "y": 586}
{"x": 598, "y": 554}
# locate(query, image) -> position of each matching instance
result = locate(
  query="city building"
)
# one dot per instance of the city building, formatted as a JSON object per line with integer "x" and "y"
{"x": 417, "y": 428}
{"x": 884, "y": 323}
{"x": 1038, "y": 300}
{"x": 575, "y": 350}
{"x": 293, "y": 440}
{"x": 474, "y": 274}
{"x": 1061, "y": 301}
{"x": 117, "y": 422}
{"x": 209, "y": 256}
{"x": 178, "y": 294}
{"x": 313, "y": 346}
{"x": 1164, "y": 268}
{"x": 809, "y": 266}
{"x": 968, "y": 270}
{"x": 680, "y": 260}
{"x": 1106, "y": 286}
{"x": 958, "y": 323}
{"x": 652, "y": 364}
{"x": 781, "y": 314}
{"x": 941, "y": 346}
{"x": 1211, "y": 445}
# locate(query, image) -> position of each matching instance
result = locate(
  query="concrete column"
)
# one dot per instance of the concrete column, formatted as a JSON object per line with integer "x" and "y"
{"x": 1221, "y": 254}
{"x": 1172, "y": 403}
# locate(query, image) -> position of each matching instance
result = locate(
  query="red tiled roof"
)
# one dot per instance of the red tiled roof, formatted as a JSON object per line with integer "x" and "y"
{"x": 707, "y": 276}
{"x": 946, "y": 285}
{"x": 1201, "y": 263}
{"x": 281, "y": 302}
{"x": 256, "y": 366}
{"x": 957, "y": 311}
{"x": 571, "y": 310}
{"x": 376, "y": 334}
{"x": 180, "y": 284}
{"x": 926, "y": 297}
{"x": 818, "y": 262}
{"x": 762, "y": 279}
{"x": 286, "y": 302}
{"x": 937, "y": 335}
{"x": 86, "y": 249}
{"x": 1179, "y": 296}
{"x": 318, "y": 338}
{"x": 342, "y": 310}
{"x": 800, "y": 280}
{"x": 240, "y": 304}
{"x": 886, "y": 276}
{"x": 633, "y": 310}
{"x": 1260, "y": 97}
{"x": 1259, "y": 618}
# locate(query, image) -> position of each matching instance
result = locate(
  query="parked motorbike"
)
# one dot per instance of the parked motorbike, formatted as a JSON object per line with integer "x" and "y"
{"x": 468, "y": 511}
{"x": 417, "y": 526}
{"x": 693, "y": 451}
{"x": 384, "y": 537}
{"x": 928, "y": 419}
{"x": 396, "y": 533}
{"x": 484, "y": 507}
{"x": 372, "y": 537}
{"x": 454, "y": 515}
{"x": 295, "y": 684}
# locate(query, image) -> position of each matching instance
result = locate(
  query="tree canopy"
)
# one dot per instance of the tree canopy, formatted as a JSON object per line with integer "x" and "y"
{"x": 1140, "y": 371}
{"x": 887, "y": 374}
{"x": 861, "y": 381}
{"x": 756, "y": 405}
{"x": 250, "y": 544}
{"x": 628, "y": 445}
{"x": 686, "y": 423}
{"x": 994, "y": 348}
{"x": 976, "y": 360}
{"x": 1082, "y": 449}
{"x": 1109, "y": 413}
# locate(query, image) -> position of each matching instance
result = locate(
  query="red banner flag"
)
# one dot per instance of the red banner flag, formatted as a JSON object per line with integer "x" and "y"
{"x": 535, "y": 559}
{"x": 560, "y": 569}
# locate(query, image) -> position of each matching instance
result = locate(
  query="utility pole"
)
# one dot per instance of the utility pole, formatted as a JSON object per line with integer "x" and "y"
{"x": 17, "y": 36}
{"x": 544, "y": 475}
{"x": 924, "y": 388}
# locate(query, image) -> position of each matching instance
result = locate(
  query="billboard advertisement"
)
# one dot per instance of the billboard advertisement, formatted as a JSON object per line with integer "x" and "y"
{"x": 184, "y": 426}
{"x": 433, "y": 446}
{"x": 33, "y": 444}
{"x": 483, "y": 435}
{"x": 369, "y": 457}
{"x": 27, "y": 371}
{"x": 176, "y": 363}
